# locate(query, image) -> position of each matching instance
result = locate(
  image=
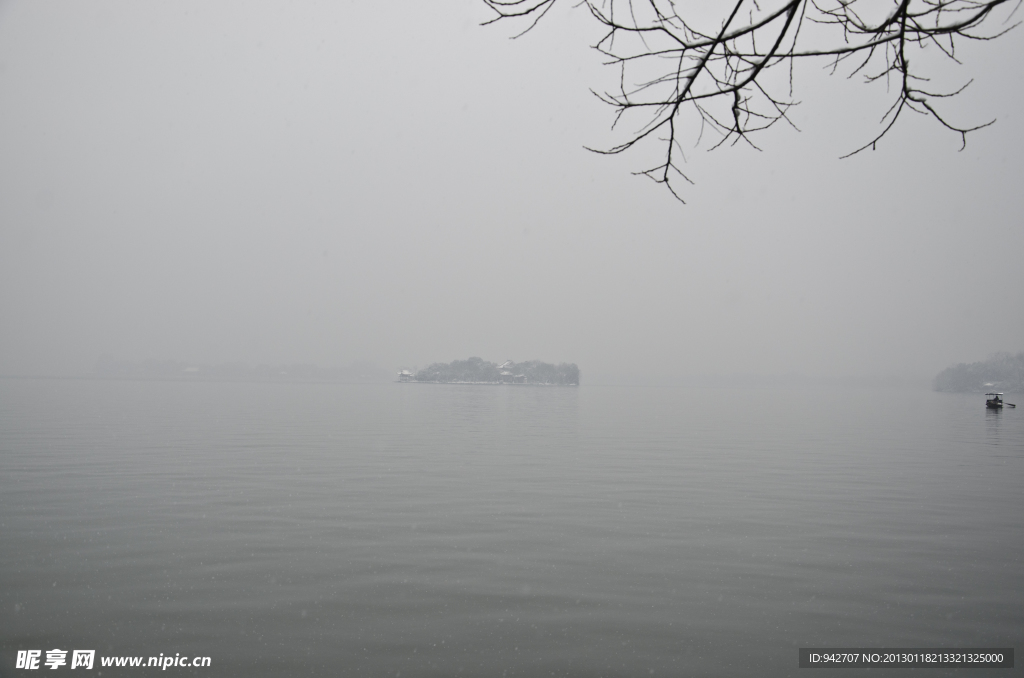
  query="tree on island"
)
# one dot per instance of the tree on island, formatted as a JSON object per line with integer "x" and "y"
{"x": 477, "y": 370}
{"x": 1001, "y": 372}
{"x": 471, "y": 370}
{"x": 711, "y": 72}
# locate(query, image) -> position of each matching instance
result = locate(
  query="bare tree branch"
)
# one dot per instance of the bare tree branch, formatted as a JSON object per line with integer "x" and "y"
{"x": 672, "y": 66}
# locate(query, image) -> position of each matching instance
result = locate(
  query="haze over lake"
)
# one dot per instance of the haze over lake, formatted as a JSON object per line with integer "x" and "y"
{"x": 322, "y": 184}
{"x": 204, "y": 204}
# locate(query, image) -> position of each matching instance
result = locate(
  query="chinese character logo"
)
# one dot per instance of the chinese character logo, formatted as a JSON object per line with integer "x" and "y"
{"x": 28, "y": 659}
{"x": 55, "y": 658}
{"x": 82, "y": 658}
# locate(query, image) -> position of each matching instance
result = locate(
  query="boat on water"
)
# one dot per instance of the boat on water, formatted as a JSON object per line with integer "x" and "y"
{"x": 995, "y": 401}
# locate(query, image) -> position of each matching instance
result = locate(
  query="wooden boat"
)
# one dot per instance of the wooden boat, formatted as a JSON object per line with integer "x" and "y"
{"x": 995, "y": 402}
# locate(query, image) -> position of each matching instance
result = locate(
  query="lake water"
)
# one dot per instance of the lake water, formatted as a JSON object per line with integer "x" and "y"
{"x": 445, "y": 530}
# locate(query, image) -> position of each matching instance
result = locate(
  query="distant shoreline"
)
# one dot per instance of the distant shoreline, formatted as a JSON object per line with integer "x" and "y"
{"x": 1001, "y": 372}
{"x": 191, "y": 379}
{"x": 173, "y": 370}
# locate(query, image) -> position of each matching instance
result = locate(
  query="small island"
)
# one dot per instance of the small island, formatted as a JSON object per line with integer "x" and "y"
{"x": 1001, "y": 372}
{"x": 479, "y": 371}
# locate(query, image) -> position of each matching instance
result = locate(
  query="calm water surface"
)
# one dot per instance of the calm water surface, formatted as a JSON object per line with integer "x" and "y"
{"x": 435, "y": 530}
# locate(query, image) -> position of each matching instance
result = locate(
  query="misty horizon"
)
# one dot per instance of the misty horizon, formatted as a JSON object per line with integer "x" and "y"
{"x": 267, "y": 196}
{"x": 110, "y": 366}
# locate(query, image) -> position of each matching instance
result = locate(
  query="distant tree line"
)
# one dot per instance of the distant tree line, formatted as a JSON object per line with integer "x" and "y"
{"x": 477, "y": 370}
{"x": 110, "y": 368}
{"x": 1001, "y": 372}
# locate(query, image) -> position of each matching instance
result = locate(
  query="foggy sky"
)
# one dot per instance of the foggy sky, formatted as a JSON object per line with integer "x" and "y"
{"x": 327, "y": 182}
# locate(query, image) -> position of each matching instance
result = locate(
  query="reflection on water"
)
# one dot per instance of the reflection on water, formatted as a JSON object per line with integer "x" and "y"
{"x": 993, "y": 416}
{"x": 437, "y": 530}
{"x": 993, "y": 428}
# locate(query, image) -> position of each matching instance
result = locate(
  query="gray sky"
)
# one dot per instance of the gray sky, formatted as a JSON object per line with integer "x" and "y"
{"x": 335, "y": 181}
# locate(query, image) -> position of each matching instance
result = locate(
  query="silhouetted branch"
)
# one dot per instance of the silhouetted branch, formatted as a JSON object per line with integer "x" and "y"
{"x": 670, "y": 64}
